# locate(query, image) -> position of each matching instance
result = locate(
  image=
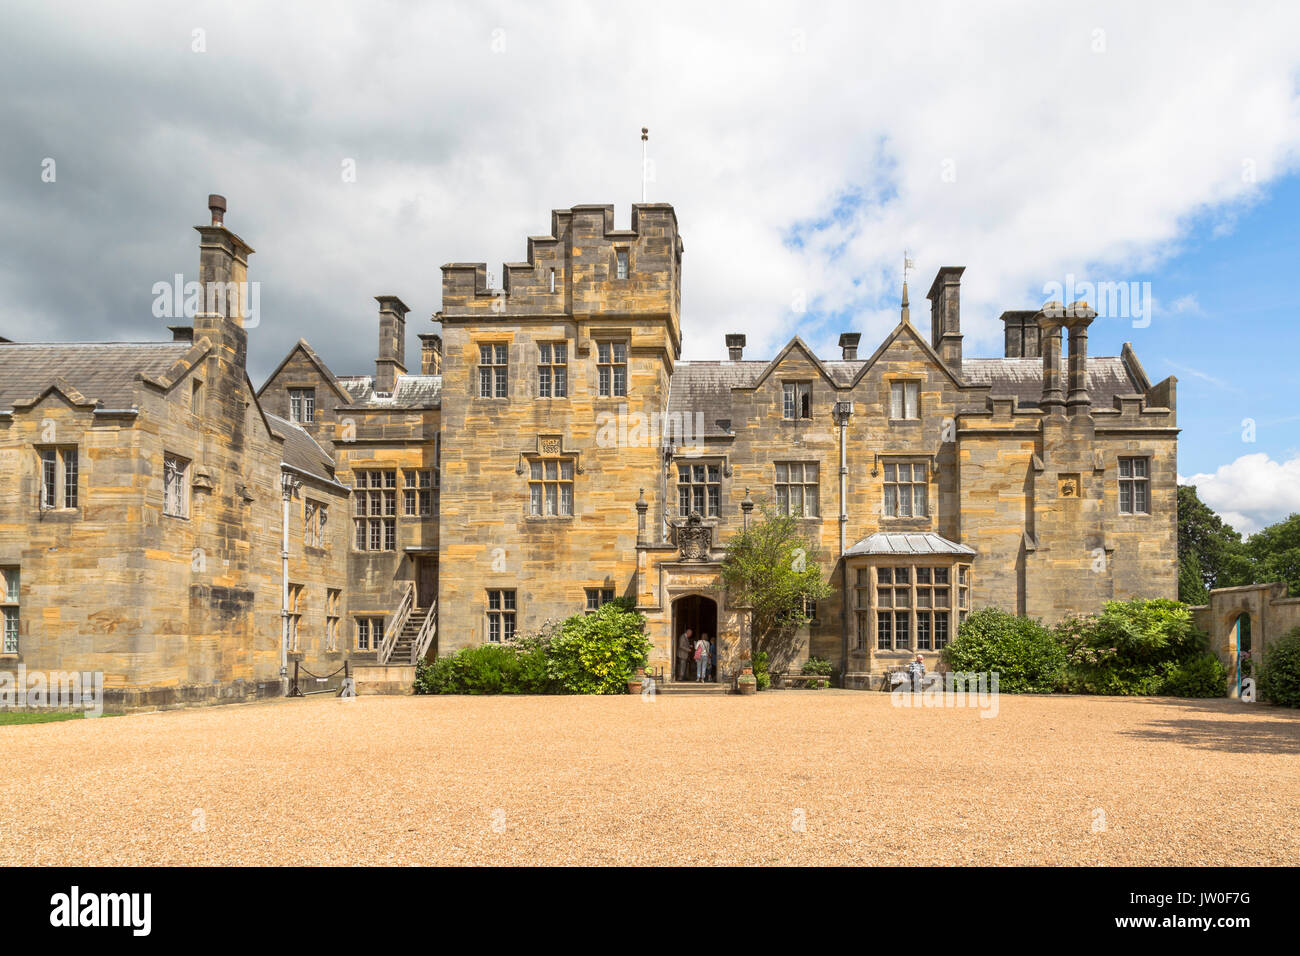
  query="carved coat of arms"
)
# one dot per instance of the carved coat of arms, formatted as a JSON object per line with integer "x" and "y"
{"x": 694, "y": 538}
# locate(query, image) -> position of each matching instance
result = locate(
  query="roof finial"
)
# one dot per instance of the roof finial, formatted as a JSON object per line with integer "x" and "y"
{"x": 907, "y": 264}
{"x": 645, "y": 138}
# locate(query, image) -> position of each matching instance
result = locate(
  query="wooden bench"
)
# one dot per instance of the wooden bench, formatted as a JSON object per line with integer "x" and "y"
{"x": 799, "y": 680}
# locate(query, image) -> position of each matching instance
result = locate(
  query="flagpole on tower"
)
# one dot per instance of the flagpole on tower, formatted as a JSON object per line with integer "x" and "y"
{"x": 645, "y": 137}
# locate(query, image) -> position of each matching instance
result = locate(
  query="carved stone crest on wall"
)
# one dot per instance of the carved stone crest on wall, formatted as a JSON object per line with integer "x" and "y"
{"x": 694, "y": 538}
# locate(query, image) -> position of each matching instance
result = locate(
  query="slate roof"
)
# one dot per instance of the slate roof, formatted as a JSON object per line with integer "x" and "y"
{"x": 301, "y": 450}
{"x": 103, "y": 372}
{"x": 1108, "y": 376}
{"x": 925, "y": 542}
{"x": 707, "y": 385}
{"x": 411, "y": 391}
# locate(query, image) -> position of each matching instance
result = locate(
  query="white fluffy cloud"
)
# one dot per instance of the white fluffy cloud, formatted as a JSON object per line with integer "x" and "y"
{"x": 804, "y": 148}
{"x": 1252, "y": 492}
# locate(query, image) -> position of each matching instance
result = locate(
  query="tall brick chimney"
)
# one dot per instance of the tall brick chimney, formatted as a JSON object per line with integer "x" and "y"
{"x": 392, "y": 342}
{"x": 735, "y": 346}
{"x": 849, "y": 344}
{"x": 945, "y": 315}
{"x": 430, "y": 353}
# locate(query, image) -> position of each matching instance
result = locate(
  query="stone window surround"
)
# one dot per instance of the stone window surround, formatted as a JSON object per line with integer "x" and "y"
{"x": 799, "y": 387}
{"x": 375, "y": 625}
{"x": 612, "y": 341}
{"x": 708, "y": 461}
{"x": 494, "y": 343}
{"x": 302, "y": 392}
{"x": 185, "y": 469}
{"x": 803, "y": 485}
{"x": 625, "y": 252}
{"x": 904, "y": 522}
{"x": 904, "y": 381}
{"x": 1146, "y": 456}
{"x": 502, "y": 606}
{"x": 10, "y": 594}
{"x": 63, "y": 466}
{"x": 955, "y": 608}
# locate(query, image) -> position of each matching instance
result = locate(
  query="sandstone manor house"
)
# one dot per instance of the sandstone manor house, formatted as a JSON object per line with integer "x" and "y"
{"x": 192, "y": 536}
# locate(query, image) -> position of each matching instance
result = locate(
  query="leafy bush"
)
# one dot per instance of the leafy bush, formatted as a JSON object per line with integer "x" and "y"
{"x": 597, "y": 653}
{"x": 1025, "y": 654}
{"x": 1199, "y": 676}
{"x": 761, "y": 672}
{"x": 1134, "y": 648}
{"x": 489, "y": 669}
{"x": 1279, "y": 675}
{"x": 818, "y": 665}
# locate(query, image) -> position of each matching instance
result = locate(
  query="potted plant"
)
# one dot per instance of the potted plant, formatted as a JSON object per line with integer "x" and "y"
{"x": 636, "y": 681}
{"x": 746, "y": 683}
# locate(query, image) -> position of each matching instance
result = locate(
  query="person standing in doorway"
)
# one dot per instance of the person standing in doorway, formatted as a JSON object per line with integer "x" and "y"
{"x": 701, "y": 658}
{"x": 683, "y": 654}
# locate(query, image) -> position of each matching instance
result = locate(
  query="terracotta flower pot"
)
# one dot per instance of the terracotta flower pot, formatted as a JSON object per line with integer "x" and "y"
{"x": 746, "y": 689}
{"x": 634, "y": 686}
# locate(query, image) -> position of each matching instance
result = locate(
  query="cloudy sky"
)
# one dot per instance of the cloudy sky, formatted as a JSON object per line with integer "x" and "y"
{"x": 805, "y": 146}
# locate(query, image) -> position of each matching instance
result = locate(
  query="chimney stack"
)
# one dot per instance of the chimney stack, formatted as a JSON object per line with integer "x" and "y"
{"x": 1050, "y": 319}
{"x": 735, "y": 346}
{"x": 1078, "y": 316}
{"x": 430, "y": 353}
{"x": 1021, "y": 331}
{"x": 392, "y": 342}
{"x": 849, "y": 344}
{"x": 945, "y": 315}
{"x": 223, "y": 271}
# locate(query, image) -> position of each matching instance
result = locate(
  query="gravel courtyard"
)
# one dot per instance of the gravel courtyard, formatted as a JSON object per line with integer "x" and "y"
{"x": 800, "y": 777}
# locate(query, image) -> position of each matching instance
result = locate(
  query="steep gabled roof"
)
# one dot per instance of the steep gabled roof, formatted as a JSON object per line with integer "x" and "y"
{"x": 101, "y": 373}
{"x": 790, "y": 346}
{"x": 316, "y": 360}
{"x": 926, "y": 348}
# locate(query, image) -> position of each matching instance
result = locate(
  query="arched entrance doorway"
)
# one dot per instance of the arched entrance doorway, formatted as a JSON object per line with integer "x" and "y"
{"x": 700, "y": 615}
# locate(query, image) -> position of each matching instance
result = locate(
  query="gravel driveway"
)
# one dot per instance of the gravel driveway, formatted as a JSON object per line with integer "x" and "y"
{"x": 800, "y": 777}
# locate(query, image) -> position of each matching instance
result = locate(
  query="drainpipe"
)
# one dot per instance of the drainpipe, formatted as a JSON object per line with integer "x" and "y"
{"x": 288, "y": 485}
{"x": 842, "y": 412}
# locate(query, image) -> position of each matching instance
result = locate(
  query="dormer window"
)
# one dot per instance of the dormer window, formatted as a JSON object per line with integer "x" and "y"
{"x": 797, "y": 400}
{"x": 302, "y": 405}
{"x": 904, "y": 401}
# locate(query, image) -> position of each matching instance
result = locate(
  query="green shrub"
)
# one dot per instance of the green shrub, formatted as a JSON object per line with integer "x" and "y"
{"x": 1025, "y": 654}
{"x": 762, "y": 675}
{"x": 489, "y": 669}
{"x": 818, "y": 665}
{"x": 1278, "y": 680}
{"x": 1199, "y": 676}
{"x": 597, "y": 653}
{"x": 1132, "y": 648}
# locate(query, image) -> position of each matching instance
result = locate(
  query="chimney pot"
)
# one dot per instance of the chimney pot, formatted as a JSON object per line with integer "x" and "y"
{"x": 217, "y": 206}
{"x": 735, "y": 346}
{"x": 849, "y": 344}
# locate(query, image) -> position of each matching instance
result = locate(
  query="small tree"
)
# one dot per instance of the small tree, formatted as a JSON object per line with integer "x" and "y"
{"x": 773, "y": 569}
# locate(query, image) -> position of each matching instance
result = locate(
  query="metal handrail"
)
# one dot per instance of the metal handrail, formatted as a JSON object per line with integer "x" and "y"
{"x": 396, "y": 625}
{"x": 427, "y": 630}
